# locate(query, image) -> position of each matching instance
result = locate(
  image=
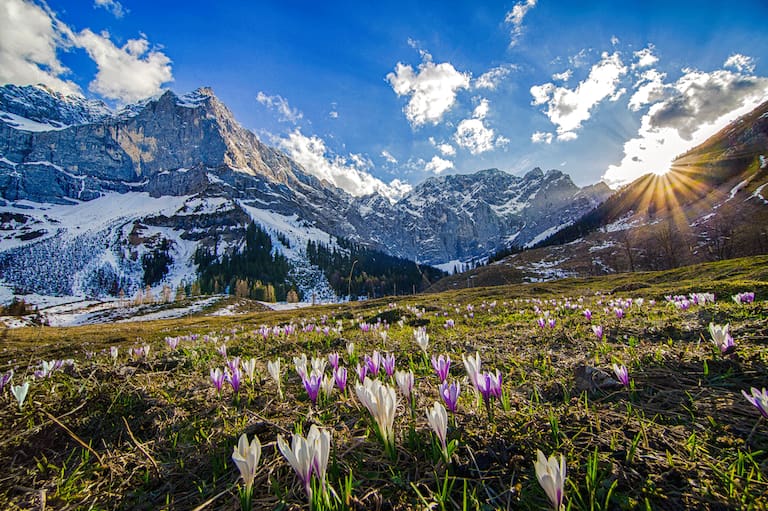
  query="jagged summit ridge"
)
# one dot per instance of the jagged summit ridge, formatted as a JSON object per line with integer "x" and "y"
{"x": 47, "y": 108}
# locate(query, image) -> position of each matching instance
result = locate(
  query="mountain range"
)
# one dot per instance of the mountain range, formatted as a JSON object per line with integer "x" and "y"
{"x": 87, "y": 191}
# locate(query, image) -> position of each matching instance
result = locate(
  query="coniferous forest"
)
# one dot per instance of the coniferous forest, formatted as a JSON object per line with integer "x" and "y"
{"x": 354, "y": 270}
{"x": 256, "y": 271}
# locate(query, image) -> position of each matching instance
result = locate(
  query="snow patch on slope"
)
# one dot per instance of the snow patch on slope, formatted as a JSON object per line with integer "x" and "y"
{"x": 18, "y": 122}
{"x": 546, "y": 234}
{"x": 309, "y": 278}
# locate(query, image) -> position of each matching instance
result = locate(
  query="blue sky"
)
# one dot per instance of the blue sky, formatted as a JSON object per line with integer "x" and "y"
{"x": 382, "y": 95}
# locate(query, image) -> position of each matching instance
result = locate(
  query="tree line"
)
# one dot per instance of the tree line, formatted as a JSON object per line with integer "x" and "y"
{"x": 355, "y": 270}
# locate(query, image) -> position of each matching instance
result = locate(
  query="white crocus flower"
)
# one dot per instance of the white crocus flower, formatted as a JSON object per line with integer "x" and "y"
{"x": 437, "y": 417}
{"x": 404, "y": 381}
{"x": 274, "y": 371}
{"x": 472, "y": 365}
{"x": 300, "y": 363}
{"x": 327, "y": 385}
{"x": 307, "y": 455}
{"x": 551, "y": 475}
{"x": 246, "y": 456}
{"x": 320, "y": 440}
{"x": 249, "y": 366}
{"x": 721, "y": 337}
{"x": 422, "y": 338}
{"x": 381, "y": 401}
{"x": 20, "y": 392}
{"x": 318, "y": 365}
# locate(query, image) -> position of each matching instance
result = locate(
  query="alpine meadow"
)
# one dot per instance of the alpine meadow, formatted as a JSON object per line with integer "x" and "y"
{"x": 399, "y": 256}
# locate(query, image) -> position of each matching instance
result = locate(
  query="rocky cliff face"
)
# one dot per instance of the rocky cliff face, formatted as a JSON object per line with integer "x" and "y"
{"x": 128, "y": 147}
{"x": 191, "y": 151}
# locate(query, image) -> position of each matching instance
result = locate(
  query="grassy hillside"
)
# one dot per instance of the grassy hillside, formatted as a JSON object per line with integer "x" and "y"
{"x": 150, "y": 431}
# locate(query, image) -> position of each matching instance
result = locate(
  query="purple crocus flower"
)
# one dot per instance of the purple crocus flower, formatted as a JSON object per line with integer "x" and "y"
{"x": 759, "y": 399}
{"x": 441, "y": 365}
{"x": 217, "y": 378}
{"x": 362, "y": 372}
{"x": 312, "y": 385}
{"x": 619, "y": 312}
{"x": 388, "y": 362}
{"x": 541, "y": 322}
{"x": 489, "y": 385}
{"x": 233, "y": 364}
{"x": 450, "y": 394}
{"x": 552, "y": 322}
{"x": 496, "y": 384}
{"x": 373, "y": 363}
{"x": 742, "y": 298}
{"x": 234, "y": 377}
{"x": 598, "y": 330}
{"x": 4, "y": 379}
{"x": 340, "y": 376}
{"x": 222, "y": 350}
{"x": 588, "y": 314}
{"x": 449, "y": 323}
{"x": 172, "y": 342}
{"x": 622, "y": 374}
{"x": 333, "y": 359}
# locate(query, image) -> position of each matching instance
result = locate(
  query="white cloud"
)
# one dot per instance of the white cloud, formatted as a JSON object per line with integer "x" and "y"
{"x": 515, "y": 18}
{"x": 280, "y": 105}
{"x": 474, "y": 135}
{"x": 388, "y": 156}
{"x": 445, "y": 148}
{"x": 432, "y": 89}
{"x": 581, "y": 59}
{"x": 126, "y": 74}
{"x": 614, "y": 40}
{"x": 542, "y": 93}
{"x": 703, "y": 98}
{"x": 32, "y": 35}
{"x": 438, "y": 165}
{"x": 29, "y": 40}
{"x": 569, "y": 108}
{"x": 113, "y": 6}
{"x": 349, "y": 173}
{"x": 396, "y": 190}
{"x": 564, "y": 76}
{"x": 567, "y": 136}
{"x": 649, "y": 89}
{"x": 542, "y": 137}
{"x": 481, "y": 110}
{"x": 493, "y": 77}
{"x": 694, "y": 108}
{"x": 645, "y": 57}
{"x": 740, "y": 63}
